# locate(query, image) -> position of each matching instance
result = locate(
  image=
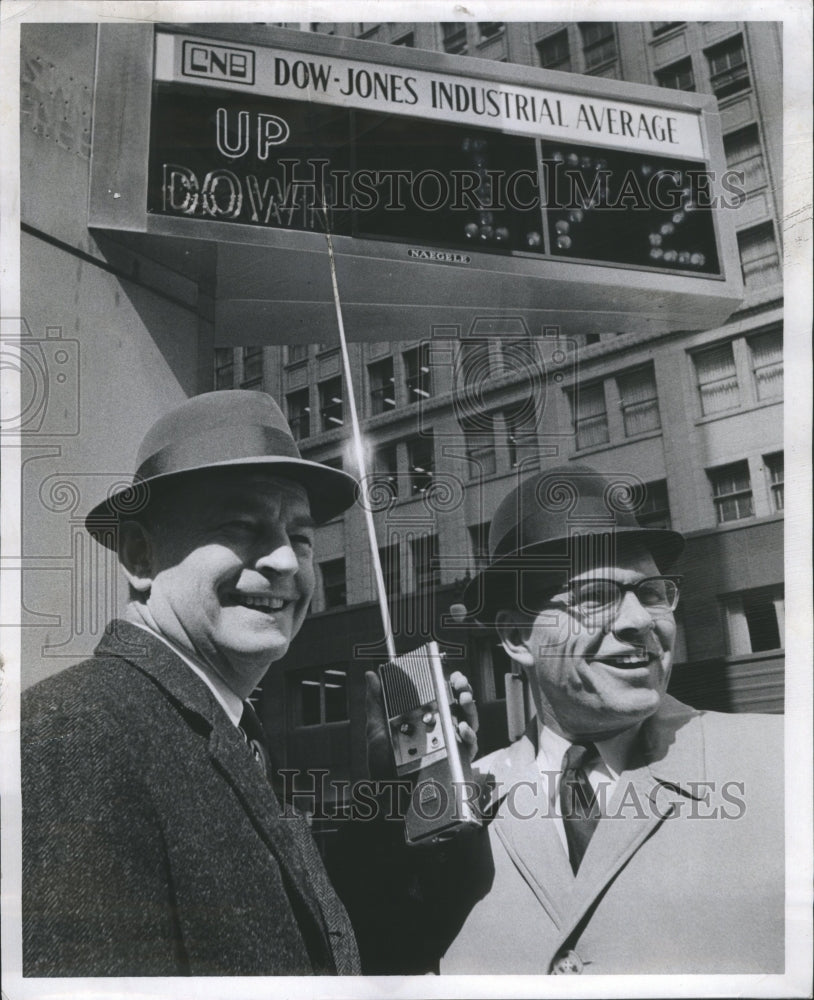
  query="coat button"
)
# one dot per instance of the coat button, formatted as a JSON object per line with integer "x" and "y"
{"x": 567, "y": 964}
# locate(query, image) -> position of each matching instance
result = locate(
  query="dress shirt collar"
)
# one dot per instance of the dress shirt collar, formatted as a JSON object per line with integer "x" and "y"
{"x": 616, "y": 752}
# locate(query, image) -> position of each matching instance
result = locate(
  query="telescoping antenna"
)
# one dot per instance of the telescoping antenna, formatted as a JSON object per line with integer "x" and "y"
{"x": 416, "y": 694}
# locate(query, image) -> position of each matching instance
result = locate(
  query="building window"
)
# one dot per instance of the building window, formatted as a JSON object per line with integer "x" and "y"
{"x": 382, "y": 386}
{"x": 295, "y": 353}
{"x": 655, "y": 510}
{"x": 521, "y": 432}
{"x": 426, "y": 569}
{"x": 717, "y": 379}
{"x": 474, "y": 363}
{"x": 760, "y": 261}
{"x": 490, "y": 29}
{"x": 385, "y": 467}
{"x": 732, "y": 490}
{"x": 590, "y": 415}
{"x": 659, "y": 27}
{"x": 454, "y": 37}
{"x": 755, "y": 620}
{"x": 774, "y": 467}
{"x": 252, "y": 367}
{"x": 554, "y": 52}
{"x": 224, "y": 368}
{"x": 330, "y": 403}
{"x": 420, "y": 463}
{"x": 390, "y": 558}
{"x": 744, "y": 153}
{"x": 407, "y": 40}
{"x": 679, "y": 76}
{"x": 479, "y": 543}
{"x": 598, "y": 43}
{"x": 479, "y": 437}
{"x": 767, "y": 363}
{"x": 639, "y": 401}
{"x": 417, "y": 373}
{"x": 334, "y": 462}
{"x": 299, "y": 413}
{"x": 334, "y": 588}
{"x": 728, "y": 71}
{"x": 320, "y": 696}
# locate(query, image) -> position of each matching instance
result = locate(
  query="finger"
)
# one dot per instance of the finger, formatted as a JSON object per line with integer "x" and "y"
{"x": 465, "y": 707}
{"x": 469, "y": 739}
{"x": 379, "y": 752}
{"x": 459, "y": 683}
{"x": 467, "y": 733}
{"x": 373, "y": 689}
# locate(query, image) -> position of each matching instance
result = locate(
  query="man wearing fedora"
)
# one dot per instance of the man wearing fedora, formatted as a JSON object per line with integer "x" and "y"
{"x": 153, "y": 841}
{"x": 628, "y": 833}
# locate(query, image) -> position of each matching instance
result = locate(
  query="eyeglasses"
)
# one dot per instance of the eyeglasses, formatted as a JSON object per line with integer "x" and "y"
{"x": 598, "y": 598}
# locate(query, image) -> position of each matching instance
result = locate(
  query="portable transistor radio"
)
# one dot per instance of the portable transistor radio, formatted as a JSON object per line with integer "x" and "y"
{"x": 425, "y": 744}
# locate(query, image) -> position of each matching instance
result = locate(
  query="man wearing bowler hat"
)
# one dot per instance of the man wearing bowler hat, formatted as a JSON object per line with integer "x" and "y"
{"x": 154, "y": 843}
{"x": 629, "y": 833}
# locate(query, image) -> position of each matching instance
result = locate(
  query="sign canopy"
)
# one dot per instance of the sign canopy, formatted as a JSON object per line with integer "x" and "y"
{"x": 421, "y": 159}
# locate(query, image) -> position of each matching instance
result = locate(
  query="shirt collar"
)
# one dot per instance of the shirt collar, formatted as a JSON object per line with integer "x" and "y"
{"x": 616, "y": 752}
{"x": 224, "y": 695}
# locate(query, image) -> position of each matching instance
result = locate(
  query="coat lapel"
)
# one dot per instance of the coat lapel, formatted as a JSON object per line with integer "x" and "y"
{"x": 228, "y": 752}
{"x": 531, "y": 841}
{"x": 671, "y": 752}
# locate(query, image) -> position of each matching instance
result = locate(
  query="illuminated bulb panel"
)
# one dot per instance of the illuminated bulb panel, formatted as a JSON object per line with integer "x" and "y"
{"x": 460, "y": 187}
{"x": 630, "y": 209}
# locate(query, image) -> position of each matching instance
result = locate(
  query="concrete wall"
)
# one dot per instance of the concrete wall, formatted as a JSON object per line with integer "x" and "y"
{"x": 114, "y": 341}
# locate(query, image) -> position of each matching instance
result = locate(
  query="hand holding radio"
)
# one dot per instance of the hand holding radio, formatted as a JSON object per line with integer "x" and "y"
{"x": 380, "y": 758}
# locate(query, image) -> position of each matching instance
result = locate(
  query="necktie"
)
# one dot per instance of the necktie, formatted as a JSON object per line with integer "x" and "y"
{"x": 580, "y": 812}
{"x": 253, "y": 733}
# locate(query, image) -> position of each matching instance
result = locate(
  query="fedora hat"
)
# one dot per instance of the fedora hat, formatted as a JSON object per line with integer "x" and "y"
{"x": 557, "y": 522}
{"x": 217, "y": 430}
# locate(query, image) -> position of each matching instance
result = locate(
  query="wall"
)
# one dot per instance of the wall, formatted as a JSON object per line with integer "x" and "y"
{"x": 114, "y": 340}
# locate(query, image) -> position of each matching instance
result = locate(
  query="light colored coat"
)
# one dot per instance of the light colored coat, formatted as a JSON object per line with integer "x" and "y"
{"x": 671, "y": 885}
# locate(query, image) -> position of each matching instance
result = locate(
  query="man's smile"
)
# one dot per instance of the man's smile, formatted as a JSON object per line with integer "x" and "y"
{"x": 261, "y": 602}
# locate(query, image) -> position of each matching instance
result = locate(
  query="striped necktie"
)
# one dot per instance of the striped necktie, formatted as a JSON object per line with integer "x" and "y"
{"x": 253, "y": 733}
{"x": 580, "y": 811}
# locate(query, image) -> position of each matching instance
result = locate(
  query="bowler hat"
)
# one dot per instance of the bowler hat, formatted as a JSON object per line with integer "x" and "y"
{"x": 217, "y": 430}
{"x": 555, "y": 523}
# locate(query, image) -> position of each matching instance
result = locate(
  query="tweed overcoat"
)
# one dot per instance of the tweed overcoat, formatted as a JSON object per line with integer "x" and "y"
{"x": 153, "y": 844}
{"x": 684, "y": 874}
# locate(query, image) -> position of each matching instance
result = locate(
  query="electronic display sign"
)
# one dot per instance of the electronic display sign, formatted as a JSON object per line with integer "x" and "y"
{"x": 264, "y": 160}
{"x": 589, "y": 202}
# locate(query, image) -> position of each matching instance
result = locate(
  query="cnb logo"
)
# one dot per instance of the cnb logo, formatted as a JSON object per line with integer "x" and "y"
{"x": 220, "y": 62}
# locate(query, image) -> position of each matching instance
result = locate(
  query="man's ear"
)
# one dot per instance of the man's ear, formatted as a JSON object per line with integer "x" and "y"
{"x": 514, "y": 631}
{"x": 136, "y": 555}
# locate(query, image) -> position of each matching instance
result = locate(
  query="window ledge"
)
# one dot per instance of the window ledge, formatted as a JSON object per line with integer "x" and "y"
{"x": 601, "y": 67}
{"x": 744, "y": 522}
{"x": 739, "y": 409}
{"x": 609, "y": 445}
{"x": 485, "y": 42}
{"x": 765, "y": 654}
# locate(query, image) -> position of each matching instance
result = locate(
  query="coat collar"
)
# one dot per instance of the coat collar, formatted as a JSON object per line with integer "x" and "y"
{"x": 670, "y": 750}
{"x": 164, "y": 667}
